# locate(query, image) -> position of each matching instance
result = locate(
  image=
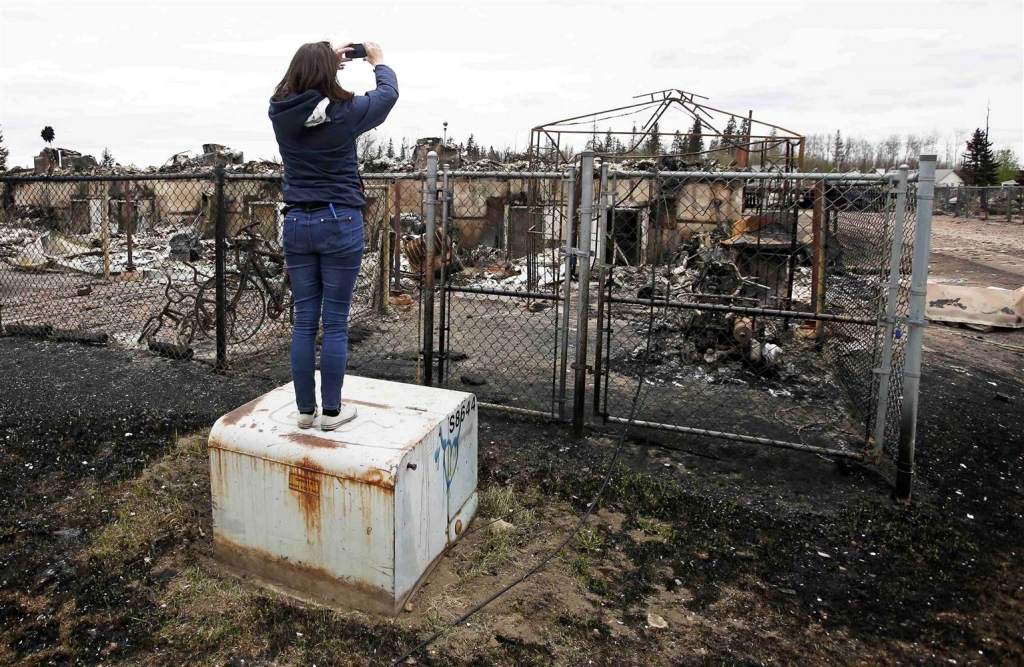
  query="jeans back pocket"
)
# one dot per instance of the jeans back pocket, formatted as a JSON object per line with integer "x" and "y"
{"x": 340, "y": 233}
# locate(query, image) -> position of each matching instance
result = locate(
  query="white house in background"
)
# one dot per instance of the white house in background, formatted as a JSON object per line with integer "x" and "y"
{"x": 947, "y": 178}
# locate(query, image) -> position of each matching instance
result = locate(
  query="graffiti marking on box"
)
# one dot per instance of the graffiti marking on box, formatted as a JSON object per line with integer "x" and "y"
{"x": 449, "y": 447}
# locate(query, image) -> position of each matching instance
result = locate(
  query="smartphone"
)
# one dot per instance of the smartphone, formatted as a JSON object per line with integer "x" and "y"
{"x": 358, "y": 51}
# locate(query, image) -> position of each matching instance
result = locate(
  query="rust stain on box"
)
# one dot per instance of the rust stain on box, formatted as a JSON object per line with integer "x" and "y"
{"x": 314, "y": 582}
{"x": 306, "y": 490}
{"x": 310, "y": 440}
{"x": 236, "y": 415}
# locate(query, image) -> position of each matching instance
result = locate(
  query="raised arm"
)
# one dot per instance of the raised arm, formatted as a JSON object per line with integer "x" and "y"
{"x": 370, "y": 110}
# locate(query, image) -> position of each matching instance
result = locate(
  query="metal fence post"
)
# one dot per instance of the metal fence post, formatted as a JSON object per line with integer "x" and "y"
{"x": 888, "y": 318}
{"x": 570, "y": 186}
{"x": 604, "y": 199}
{"x": 430, "y": 212}
{"x": 105, "y": 226}
{"x": 915, "y": 324}
{"x": 582, "y": 254}
{"x": 442, "y": 330}
{"x": 220, "y": 248}
{"x": 385, "y": 254}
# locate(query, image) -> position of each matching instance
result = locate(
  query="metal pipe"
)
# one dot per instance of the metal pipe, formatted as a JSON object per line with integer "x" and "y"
{"x": 442, "y": 348}
{"x": 791, "y": 273}
{"x": 601, "y": 253}
{"x": 746, "y": 310}
{"x": 189, "y": 176}
{"x": 818, "y": 264}
{"x": 567, "y": 288}
{"x": 604, "y": 224}
{"x": 532, "y": 175}
{"x": 105, "y": 228}
{"x": 759, "y": 176}
{"x": 220, "y": 248}
{"x": 519, "y": 294}
{"x": 515, "y": 410}
{"x": 888, "y": 319}
{"x": 397, "y": 271}
{"x": 583, "y": 253}
{"x": 385, "y": 254}
{"x": 395, "y": 176}
{"x": 128, "y": 229}
{"x": 915, "y": 325}
{"x": 749, "y": 439}
{"x": 427, "y": 288}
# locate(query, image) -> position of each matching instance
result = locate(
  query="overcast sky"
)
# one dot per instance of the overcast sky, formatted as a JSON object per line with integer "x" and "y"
{"x": 149, "y": 79}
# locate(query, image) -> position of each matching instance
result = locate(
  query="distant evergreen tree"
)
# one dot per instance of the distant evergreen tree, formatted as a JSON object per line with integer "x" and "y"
{"x": 678, "y": 145}
{"x": 838, "y": 150}
{"x": 745, "y": 129}
{"x": 107, "y": 160}
{"x": 609, "y": 142}
{"x": 729, "y": 139}
{"x": 391, "y": 148}
{"x": 472, "y": 151}
{"x": 634, "y": 140}
{"x": 654, "y": 141}
{"x": 695, "y": 142}
{"x": 380, "y": 151}
{"x": 3, "y": 152}
{"x": 404, "y": 150}
{"x": 980, "y": 166}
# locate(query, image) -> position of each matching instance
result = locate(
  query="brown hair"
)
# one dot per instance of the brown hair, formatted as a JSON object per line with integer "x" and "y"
{"x": 314, "y": 67}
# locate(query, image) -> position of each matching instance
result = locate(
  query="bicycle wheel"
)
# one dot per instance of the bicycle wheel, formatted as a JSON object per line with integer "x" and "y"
{"x": 151, "y": 327}
{"x": 244, "y": 310}
{"x": 186, "y": 331}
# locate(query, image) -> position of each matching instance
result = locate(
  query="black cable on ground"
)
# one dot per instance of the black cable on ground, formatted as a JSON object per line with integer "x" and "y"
{"x": 590, "y": 508}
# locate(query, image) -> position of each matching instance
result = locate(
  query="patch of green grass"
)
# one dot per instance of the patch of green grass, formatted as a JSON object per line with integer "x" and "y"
{"x": 589, "y": 541}
{"x": 499, "y": 543}
{"x": 580, "y": 567}
{"x": 162, "y": 500}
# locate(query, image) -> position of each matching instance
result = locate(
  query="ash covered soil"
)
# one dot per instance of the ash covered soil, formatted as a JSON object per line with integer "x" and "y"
{"x": 747, "y": 555}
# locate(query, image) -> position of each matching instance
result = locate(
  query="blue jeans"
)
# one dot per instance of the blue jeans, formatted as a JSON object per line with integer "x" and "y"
{"x": 323, "y": 254}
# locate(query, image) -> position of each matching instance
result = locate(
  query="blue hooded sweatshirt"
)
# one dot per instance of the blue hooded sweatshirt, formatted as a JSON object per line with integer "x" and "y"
{"x": 317, "y": 139}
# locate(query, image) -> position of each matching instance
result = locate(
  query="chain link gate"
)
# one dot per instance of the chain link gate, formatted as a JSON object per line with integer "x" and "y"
{"x": 501, "y": 266}
{"x": 778, "y": 303}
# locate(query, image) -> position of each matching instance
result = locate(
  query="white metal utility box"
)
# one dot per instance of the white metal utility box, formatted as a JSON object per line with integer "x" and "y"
{"x": 355, "y": 517}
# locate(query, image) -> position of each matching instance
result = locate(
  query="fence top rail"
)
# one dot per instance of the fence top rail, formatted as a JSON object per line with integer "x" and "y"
{"x": 758, "y": 176}
{"x": 375, "y": 176}
{"x": 510, "y": 174}
{"x": 395, "y": 176}
{"x": 55, "y": 178}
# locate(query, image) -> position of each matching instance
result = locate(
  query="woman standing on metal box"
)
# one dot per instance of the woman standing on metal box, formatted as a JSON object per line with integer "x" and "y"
{"x": 316, "y": 123}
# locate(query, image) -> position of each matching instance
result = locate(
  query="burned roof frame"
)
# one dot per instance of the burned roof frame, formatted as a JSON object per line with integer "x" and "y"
{"x": 786, "y": 145}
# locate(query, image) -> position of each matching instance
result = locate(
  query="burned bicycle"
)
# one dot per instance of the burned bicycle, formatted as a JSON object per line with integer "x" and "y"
{"x": 256, "y": 289}
{"x": 180, "y": 310}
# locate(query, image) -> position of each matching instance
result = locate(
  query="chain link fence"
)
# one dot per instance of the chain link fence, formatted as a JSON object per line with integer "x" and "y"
{"x": 778, "y": 304}
{"x": 999, "y": 202}
{"x": 119, "y": 260}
